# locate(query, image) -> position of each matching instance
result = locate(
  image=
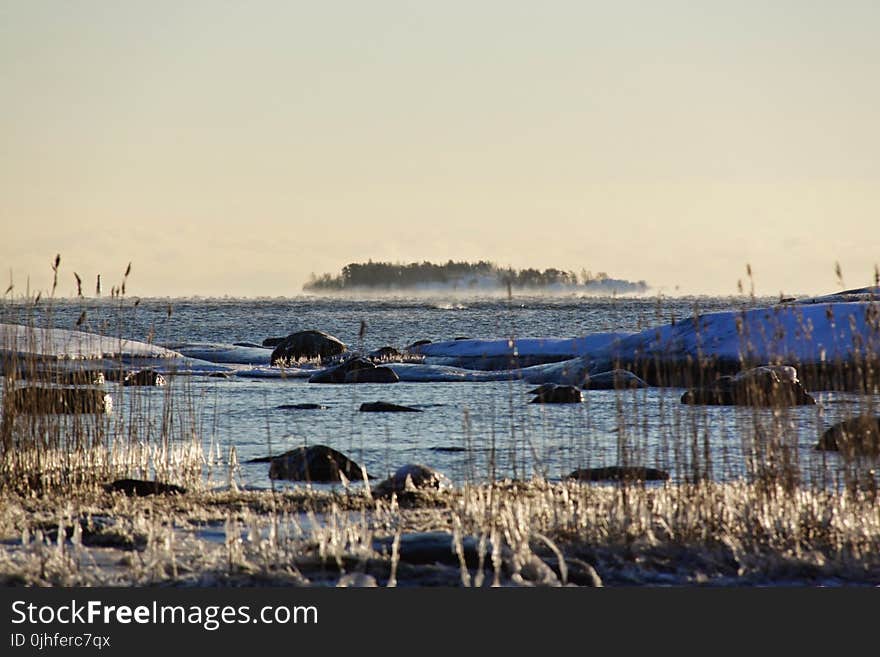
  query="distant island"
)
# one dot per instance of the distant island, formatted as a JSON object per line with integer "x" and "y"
{"x": 466, "y": 276}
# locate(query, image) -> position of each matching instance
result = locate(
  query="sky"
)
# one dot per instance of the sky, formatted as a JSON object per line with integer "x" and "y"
{"x": 232, "y": 148}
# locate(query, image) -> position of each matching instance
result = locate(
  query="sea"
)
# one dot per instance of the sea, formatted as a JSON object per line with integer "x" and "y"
{"x": 469, "y": 431}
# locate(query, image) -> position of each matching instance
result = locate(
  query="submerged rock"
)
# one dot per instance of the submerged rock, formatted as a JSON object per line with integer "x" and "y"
{"x": 386, "y": 407}
{"x": 339, "y": 373}
{"x": 550, "y": 393}
{"x": 613, "y": 380}
{"x": 144, "y": 378}
{"x": 142, "y": 487}
{"x": 412, "y": 477}
{"x": 306, "y": 344}
{"x": 317, "y": 463}
{"x": 372, "y": 375}
{"x": 619, "y": 472}
{"x": 857, "y": 436}
{"x": 765, "y": 386}
{"x": 53, "y": 400}
{"x": 302, "y": 407}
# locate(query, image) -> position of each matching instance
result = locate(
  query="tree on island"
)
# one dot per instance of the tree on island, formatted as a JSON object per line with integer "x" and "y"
{"x": 385, "y": 275}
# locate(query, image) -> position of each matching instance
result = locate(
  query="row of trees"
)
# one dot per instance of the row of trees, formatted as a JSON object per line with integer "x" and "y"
{"x": 461, "y": 274}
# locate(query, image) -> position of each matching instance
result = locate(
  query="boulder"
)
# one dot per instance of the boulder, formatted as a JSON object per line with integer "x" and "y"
{"x": 415, "y": 345}
{"x": 434, "y": 548}
{"x": 613, "y": 380}
{"x": 550, "y": 393}
{"x": 49, "y": 400}
{"x": 273, "y": 342}
{"x": 385, "y": 407}
{"x": 412, "y": 477}
{"x": 339, "y": 373}
{"x": 372, "y": 375}
{"x": 317, "y": 463}
{"x": 306, "y": 345}
{"x": 144, "y": 378}
{"x": 857, "y": 436}
{"x": 142, "y": 488}
{"x": 765, "y": 386}
{"x": 619, "y": 472}
{"x": 385, "y": 355}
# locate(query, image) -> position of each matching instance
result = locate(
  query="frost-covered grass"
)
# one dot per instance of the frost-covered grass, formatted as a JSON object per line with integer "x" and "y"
{"x": 527, "y": 533}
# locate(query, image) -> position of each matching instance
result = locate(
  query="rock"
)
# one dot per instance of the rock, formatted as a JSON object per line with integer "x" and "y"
{"x": 317, "y": 463}
{"x": 357, "y": 580}
{"x": 142, "y": 488}
{"x": 144, "y": 378}
{"x": 49, "y": 399}
{"x": 582, "y": 573}
{"x": 372, "y": 375}
{"x": 433, "y": 548}
{"x": 462, "y": 337}
{"x": 411, "y": 477}
{"x": 857, "y": 436}
{"x": 339, "y": 373}
{"x": 220, "y": 375}
{"x": 306, "y": 344}
{"x": 385, "y": 355}
{"x": 385, "y": 407}
{"x": 252, "y": 344}
{"x": 302, "y": 407}
{"x": 613, "y": 380}
{"x": 765, "y": 386}
{"x": 619, "y": 472}
{"x": 550, "y": 393}
{"x": 272, "y": 342}
{"x": 64, "y": 377}
{"x": 415, "y": 345}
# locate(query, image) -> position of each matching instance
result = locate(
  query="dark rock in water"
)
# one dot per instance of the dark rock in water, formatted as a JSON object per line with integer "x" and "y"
{"x": 385, "y": 407}
{"x": 410, "y": 477}
{"x": 451, "y": 449}
{"x": 142, "y": 488}
{"x": 618, "y": 472}
{"x": 462, "y": 337}
{"x": 144, "y": 378}
{"x": 220, "y": 375}
{"x": 372, "y": 375}
{"x": 385, "y": 355}
{"x": 339, "y": 373}
{"x": 764, "y": 386}
{"x": 857, "y": 436}
{"x": 550, "y": 393}
{"x": 302, "y": 407}
{"x": 614, "y": 380}
{"x": 306, "y": 344}
{"x": 253, "y": 344}
{"x": 52, "y": 400}
{"x": 434, "y": 547}
{"x": 317, "y": 463}
{"x": 272, "y": 342}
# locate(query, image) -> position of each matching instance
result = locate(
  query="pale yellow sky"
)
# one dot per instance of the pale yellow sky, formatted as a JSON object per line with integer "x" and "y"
{"x": 233, "y": 148}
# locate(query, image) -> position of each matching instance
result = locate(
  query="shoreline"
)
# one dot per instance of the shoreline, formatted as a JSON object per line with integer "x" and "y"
{"x": 509, "y": 534}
